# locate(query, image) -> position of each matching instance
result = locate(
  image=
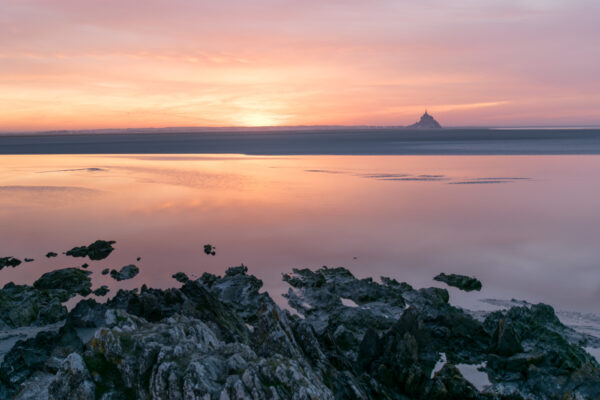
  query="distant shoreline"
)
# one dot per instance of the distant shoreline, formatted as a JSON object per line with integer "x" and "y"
{"x": 313, "y": 141}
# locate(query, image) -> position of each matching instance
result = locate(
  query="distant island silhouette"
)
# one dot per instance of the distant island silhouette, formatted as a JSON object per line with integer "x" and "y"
{"x": 426, "y": 122}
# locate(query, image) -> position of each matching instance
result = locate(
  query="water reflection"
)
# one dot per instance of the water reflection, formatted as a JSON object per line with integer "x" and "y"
{"x": 534, "y": 237}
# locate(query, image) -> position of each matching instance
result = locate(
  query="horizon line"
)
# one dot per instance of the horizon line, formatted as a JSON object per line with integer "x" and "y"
{"x": 200, "y": 128}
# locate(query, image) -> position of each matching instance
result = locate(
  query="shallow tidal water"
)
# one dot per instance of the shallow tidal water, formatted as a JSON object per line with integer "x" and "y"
{"x": 527, "y": 226}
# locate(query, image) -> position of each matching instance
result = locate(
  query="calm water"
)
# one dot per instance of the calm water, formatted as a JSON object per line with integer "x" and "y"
{"x": 527, "y": 226}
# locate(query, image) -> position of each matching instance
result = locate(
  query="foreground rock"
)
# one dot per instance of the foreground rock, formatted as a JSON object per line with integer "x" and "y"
{"x": 98, "y": 250}
{"x": 127, "y": 272}
{"x": 462, "y": 282}
{"x": 221, "y": 338}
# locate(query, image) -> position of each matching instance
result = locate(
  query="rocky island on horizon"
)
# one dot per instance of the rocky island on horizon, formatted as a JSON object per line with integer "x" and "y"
{"x": 426, "y": 122}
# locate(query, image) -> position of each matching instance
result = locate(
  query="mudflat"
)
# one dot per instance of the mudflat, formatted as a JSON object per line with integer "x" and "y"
{"x": 338, "y": 141}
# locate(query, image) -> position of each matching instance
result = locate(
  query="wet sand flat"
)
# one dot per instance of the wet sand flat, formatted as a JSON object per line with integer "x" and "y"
{"x": 342, "y": 141}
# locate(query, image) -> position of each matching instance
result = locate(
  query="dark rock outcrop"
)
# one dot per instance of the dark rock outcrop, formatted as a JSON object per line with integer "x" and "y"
{"x": 461, "y": 282}
{"x": 69, "y": 280}
{"x": 101, "y": 291}
{"x": 98, "y": 250}
{"x": 9, "y": 262}
{"x": 209, "y": 249}
{"x": 221, "y": 337}
{"x": 127, "y": 272}
{"x": 22, "y": 305}
{"x": 51, "y": 254}
{"x": 180, "y": 277}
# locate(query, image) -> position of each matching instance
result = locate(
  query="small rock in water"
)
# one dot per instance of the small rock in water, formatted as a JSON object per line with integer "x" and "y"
{"x": 28, "y": 260}
{"x": 209, "y": 249}
{"x": 51, "y": 254}
{"x": 462, "y": 282}
{"x": 9, "y": 262}
{"x": 139, "y": 258}
{"x": 72, "y": 280}
{"x": 181, "y": 277}
{"x": 127, "y": 272}
{"x": 101, "y": 291}
{"x": 98, "y": 250}
{"x": 85, "y": 265}
{"x": 105, "y": 271}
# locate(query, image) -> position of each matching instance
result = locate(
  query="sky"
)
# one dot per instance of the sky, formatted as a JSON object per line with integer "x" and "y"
{"x": 89, "y": 64}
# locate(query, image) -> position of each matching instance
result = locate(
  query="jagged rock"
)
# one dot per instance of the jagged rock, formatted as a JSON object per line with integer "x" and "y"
{"x": 449, "y": 384}
{"x": 70, "y": 280}
{"x": 9, "y": 262}
{"x": 87, "y": 314}
{"x": 36, "y": 354}
{"x": 462, "y": 282}
{"x": 219, "y": 337}
{"x": 548, "y": 360}
{"x": 51, "y": 254}
{"x": 505, "y": 341}
{"x": 211, "y": 368}
{"x": 22, "y": 305}
{"x": 127, "y": 272}
{"x": 73, "y": 381}
{"x": 180, "y": 277}
{"x": 426, "y": 122}
{"x": 98, "y": 250}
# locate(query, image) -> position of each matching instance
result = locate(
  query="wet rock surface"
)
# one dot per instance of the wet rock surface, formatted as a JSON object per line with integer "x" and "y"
{"x": 220, "y": 337}
{"x": 127, "y": 272}
{"x": 461, "y": 282}
{"x": 98, "y": 250}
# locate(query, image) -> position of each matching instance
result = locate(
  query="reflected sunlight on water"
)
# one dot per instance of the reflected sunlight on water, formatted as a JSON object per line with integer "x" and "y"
{"x": 527, "y": 226}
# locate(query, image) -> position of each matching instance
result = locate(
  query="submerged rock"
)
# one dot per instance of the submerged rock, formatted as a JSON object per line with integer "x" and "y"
{"x": 9, "y": 262}
{"x": 98, "y": 250}
{"x": 51, "y": 254}
{"x": 462, "y": 282}
{"x": 127, "y": 272}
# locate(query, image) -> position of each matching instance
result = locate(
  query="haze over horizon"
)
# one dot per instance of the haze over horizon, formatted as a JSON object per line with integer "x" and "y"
{"x": 113, "y": 64}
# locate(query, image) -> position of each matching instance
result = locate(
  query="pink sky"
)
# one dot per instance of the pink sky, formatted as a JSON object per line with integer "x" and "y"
{"x": 74, "y": 64}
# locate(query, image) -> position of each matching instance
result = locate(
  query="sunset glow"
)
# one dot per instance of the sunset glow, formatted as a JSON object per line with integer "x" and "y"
{"x": 72, "y": 64}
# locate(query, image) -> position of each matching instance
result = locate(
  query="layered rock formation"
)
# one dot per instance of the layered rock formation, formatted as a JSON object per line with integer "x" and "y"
{"x": 221, "y": 338}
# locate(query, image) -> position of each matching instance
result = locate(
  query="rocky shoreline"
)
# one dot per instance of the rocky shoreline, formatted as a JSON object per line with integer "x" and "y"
{"x": 220, "y": 337}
